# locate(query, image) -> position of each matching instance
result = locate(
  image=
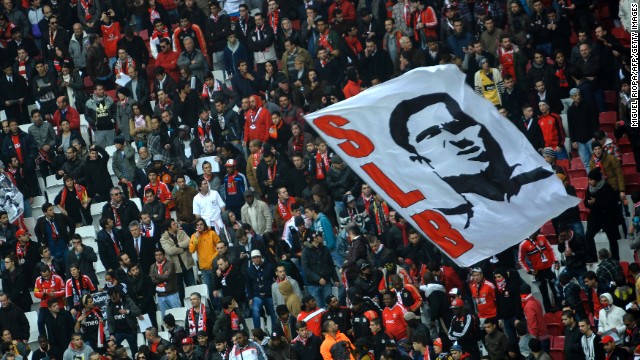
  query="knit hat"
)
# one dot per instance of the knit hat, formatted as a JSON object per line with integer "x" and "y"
{"x": 549, "y": 152}
{"x": 157, "y": 157}
{"x": 482, "y": 60}
{"x": 336, "y": 160}
{"x": 437, "y": 342}
{"x": 574, "y": 91}
{"x": 595, "y": 174}
{"x": 456, "y": 347}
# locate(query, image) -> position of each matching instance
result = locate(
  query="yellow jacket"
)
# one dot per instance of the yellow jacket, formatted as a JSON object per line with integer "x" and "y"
{"x": 205, "y": 245}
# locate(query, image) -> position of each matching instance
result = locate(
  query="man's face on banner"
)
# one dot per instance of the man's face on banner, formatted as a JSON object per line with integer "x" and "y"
{"x": 445, "y": 138}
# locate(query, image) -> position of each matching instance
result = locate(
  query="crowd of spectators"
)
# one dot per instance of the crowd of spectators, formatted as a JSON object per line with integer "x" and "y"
{"x": 204, "y": 105}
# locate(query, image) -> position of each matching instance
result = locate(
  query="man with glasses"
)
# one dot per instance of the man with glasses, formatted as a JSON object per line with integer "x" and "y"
{"x": 121, "y": 211}
{"x": 168, "y": 59}
{"x": 54, "y": 36}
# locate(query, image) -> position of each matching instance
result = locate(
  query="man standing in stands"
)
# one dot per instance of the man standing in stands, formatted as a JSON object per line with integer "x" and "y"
{"x": 55, "y": 230}
{"x": 48, "y": 288}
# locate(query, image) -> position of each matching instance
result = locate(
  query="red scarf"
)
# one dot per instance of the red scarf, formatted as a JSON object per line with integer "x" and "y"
{"x": 164, "y": 34}
{"x": 272, "y": 171}
{"x": 235, "y": 320}
{"x": 562, "y": 78}
{"x": 255, "y": 158}
{"x": 232, "y": 189}
{"x": 381, "y": 213}
{"x": 22, "y": 68}
{"x": 298, "y": 143}
{"x": 324, "y": 41}
{"x": 80, "y": 194}
{"x": 354, "y": 44}
{"x": 204, "y": 130}
{"x": 85, "y": 7}
{"x": 154, "y": 14}
{"x": 321, "y": 159}
{"x": 200, "y": 324}
{"x": 165, "y": 106}
{"x": 598, "y": 162}
{"x": 273, "y": 19}
{"x": 403, "y": 229}
{"x": 161, "y": 286}
{"x": 284, "y": 209}
{"x": 273, "y": 130}
{"x": 21, "y": 252}
{"x": 101, "y": 336}
{"x": 116, "y": 216}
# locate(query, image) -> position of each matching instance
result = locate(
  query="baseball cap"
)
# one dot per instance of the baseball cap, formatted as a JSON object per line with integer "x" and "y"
{"x": 187, "y": 341}
{"x": 607, "y": 339}
{"x": 21, "y": 232}
{"x": 157, "y": 157}
{"x": 255, "y": 253}
{"x": 230, "y": 162}
{"x": 437, "y": 342}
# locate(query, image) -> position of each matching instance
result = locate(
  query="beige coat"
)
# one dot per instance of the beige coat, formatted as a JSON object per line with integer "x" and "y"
{"x": 174, "y": 251}
{"x": 263, "y": 219}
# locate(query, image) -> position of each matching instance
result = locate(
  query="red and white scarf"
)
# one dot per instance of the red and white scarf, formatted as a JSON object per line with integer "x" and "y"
{"x": 204, "y": 131}
{"x": 85, "y": 7}
{"x": 255, "y": 158}
{"x": 232, "y": 189}
{"x": 200, "y": 324}
{"x": 285, "y": 209}
{"x": 21, "y": 251}
{"x": 273, "y": 19}
{"x": 80, "y": 194}
{"x": 322, "y": 160}
{"x": 161, "y": 286}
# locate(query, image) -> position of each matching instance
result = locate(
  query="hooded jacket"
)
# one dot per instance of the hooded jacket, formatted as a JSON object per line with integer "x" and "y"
{"x": 82, "y": 353}
{"x": 78, "y": 50}
{"x": 610, "y": 317}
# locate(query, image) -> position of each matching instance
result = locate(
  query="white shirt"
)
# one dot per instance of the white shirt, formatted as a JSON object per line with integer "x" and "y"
{"x": 209, "y": 207}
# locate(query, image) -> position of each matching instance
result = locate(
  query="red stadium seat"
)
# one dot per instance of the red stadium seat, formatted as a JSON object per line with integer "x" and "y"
{"x": 557, "y": 354}
{"x": 563, "y": 164}
{"x": 555, "y": 329}
{"x": 144, "y": 34}
{"x": 581, "y": 184}
{"x": 576, "y": 163}
{"x": 622, "y": 35}
{"x": 558, "y": 343}
{"x": 608, "y": 117}
{"x": 611, "y": 99}
{"x": 628, "y": 158}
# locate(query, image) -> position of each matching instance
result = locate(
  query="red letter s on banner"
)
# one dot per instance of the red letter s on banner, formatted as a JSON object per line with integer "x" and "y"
{"x": 331, "y": 125}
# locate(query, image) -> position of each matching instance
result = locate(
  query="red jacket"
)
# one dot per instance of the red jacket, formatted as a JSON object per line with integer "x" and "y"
{"x": 535, "y": 320}
{"x": 394, "y": 324}
{"x": 348, "y": 10}
{"x": 257, "y": 122}
{"x": 552, "y": 130}
{"x": 46, "y": 290}
{"x": 429, "y": 19}
{"x": 539, "y": 253}
{"x": 169, "y": 62}
{"x": 485, "y": 298}
{"x": 72, "y": 115}
{"x": 450, "y": 278}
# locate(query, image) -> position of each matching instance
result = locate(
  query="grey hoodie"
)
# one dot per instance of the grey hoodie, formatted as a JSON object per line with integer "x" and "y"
{"x": 78, "y": 50}
{"x": 77, "y": 354}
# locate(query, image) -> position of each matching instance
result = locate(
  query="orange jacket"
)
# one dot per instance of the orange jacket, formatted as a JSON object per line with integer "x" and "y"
{"x": 329, "y": 341}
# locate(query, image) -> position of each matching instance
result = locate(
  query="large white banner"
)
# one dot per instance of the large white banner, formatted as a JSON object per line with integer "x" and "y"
{"x": 446, "y": 160}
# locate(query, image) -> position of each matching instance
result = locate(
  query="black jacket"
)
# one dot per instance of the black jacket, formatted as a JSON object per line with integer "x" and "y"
{"x": 16, "y": 287}
{"x": 106, "y": 249}
{"x": 604, "y": 209}
{"x": 310, "y": 351}
{"x": 64, "y": 225}
{"x": 59, "y": 329}
{"x": 262, "y": 173}
{"x": 85, "y": 261}
{"x": 12, "y": 318}
{"x": 96, "y": 175}
{"x": 138, "y": 289}
{"x": 317, "y": 264}
{"x": 223, "y": 324}
{"x": 583, "y": 120}
{"x": 235, "y": 284}
{"x": 339, "y": 182}
{"x": 577, "y": 245}
{"x": 572, "y": 343}
{"x": 509, "y": 302}
{"x": 127, "y": 211}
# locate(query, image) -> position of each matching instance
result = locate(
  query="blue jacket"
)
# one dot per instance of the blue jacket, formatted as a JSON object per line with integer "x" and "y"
{"x": 236, "y": 199}
{"x": 259, "y": 279}
{"x": 323, "y": 226}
